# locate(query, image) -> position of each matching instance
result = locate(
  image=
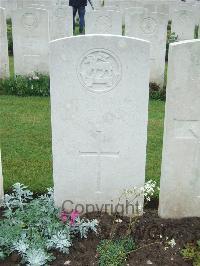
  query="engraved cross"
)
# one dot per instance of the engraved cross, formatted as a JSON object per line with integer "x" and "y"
{"x": 99, "y": 154}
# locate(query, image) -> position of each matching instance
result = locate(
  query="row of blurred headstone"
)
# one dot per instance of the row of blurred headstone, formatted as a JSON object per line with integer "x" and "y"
{"x": 33, "y": 28}
{"x": 166, "y": 6}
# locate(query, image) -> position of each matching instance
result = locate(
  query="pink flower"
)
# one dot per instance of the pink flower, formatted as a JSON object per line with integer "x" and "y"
{"x": 63, "y": 216}
{"x": 73, "y": 217}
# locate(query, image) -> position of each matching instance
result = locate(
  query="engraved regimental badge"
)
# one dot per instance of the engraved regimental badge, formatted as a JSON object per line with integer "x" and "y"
{"x": 99, "y": 70}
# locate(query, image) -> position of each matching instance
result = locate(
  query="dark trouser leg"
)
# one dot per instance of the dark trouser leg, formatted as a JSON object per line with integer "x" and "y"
{"x": 74, "y": 17}
{"x": 81, "y": 13}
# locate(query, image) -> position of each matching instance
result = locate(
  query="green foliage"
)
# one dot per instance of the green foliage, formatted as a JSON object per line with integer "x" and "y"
{"x": 11, "y": 66}
{"x": 39, "y": 85}
{"x": 82, "y": 228}
{"x": 196, "y": 32}
{"x": 171, "y": 38}
{"x": 33, "y": 227}
{"x": 192, "y": 252}
{"x": 36, "y": 85}
{"x": 157, "y": 93}
{"x": 114, "y": 252}
{"x": 8, "y": 235}
{"x": 9, "y": 34}
{"x": 169, "y": 25}
{"x": 18, "y": 198}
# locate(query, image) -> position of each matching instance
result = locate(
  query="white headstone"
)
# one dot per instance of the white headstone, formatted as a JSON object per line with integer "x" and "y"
{"x": 42, "y": 4}
{"x": 60, "y": 2}
{"x": 30, "y": 41}
{"x": 1, "y": 181}
{"x": 180, "y": 179}
{"x": 116, "y": 5}
{"x": 151, "y": 6}
{"x": 103, "y": 22}
{"x": 99, "y": 104}
{"x": 137, "y": 9}
{"x": 183, "y": 24}
{"x": 10, "y": 6}
{"x": 61, "y": 22}
{"x": 198, "y": 17}
{"x": 151, "y": 27}
{"x": 110, "y": 3}
{"x": 4, "y": 62}
{"x": 96, "y": 4}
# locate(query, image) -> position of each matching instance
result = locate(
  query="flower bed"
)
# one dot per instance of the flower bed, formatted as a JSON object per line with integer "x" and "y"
{"x": 37, "y": 232}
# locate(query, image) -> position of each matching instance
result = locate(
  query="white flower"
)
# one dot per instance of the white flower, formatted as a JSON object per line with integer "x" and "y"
{"x": 118, "y": 221}
{"x": 140, "y": 208}
{"x": 67, "y": 262}
{"x": 142, "y": 189}
{"x": 149, "y": 187}
{"x": 172, "y": 243}
{"x": 148, "y": 199}
{"x": 36, "y": 78}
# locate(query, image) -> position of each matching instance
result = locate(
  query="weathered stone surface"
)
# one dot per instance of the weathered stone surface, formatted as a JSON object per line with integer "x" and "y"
{"x": 183, "y": 23}
{"x": 4, "y": 62}
{"x": 180, "y": 179}
{"x": 30, "y": 41}
{"x": 99, "y": 104}
{"x": 103, "y": 22}
{"x": 61, "y": 22}
{"x": 197, "y": 7}
{"x": 43, "y": 4}
{"x": 9, "y": 5}
{"x": 152, "y": 27}
{"x": 97, "y": 4}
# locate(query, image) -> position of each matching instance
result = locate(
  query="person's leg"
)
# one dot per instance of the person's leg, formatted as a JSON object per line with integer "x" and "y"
{"x": 74, "y": 17}
{"x": 81, "y": 13}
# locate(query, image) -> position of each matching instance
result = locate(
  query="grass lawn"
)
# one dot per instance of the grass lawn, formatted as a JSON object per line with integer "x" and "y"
{"x": 11, "y": 65}
{"x": 26, "y": 141}
{"x": 155, "y": 138}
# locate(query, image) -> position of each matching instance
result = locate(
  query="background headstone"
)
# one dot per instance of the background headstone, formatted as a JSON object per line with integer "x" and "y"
{"x": 99, "y": 104}
{"x": 61, "y": 22}
{"x": 42, "y": 4}
{"x": 180, "y": 178}
{"x": 9, "y": 5}
{"x": 30, "y": 41}
{"x": 152, "y": 27}
{"x": 97, "y": 4}
{"x": 4, "y": 62}
{"x": 198, "y": 17}
{"x": 183, "y": 24}
{"x": 103, "y": 22}
{"x": 60, "y": 2}
{"x": 110, "y": 3}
